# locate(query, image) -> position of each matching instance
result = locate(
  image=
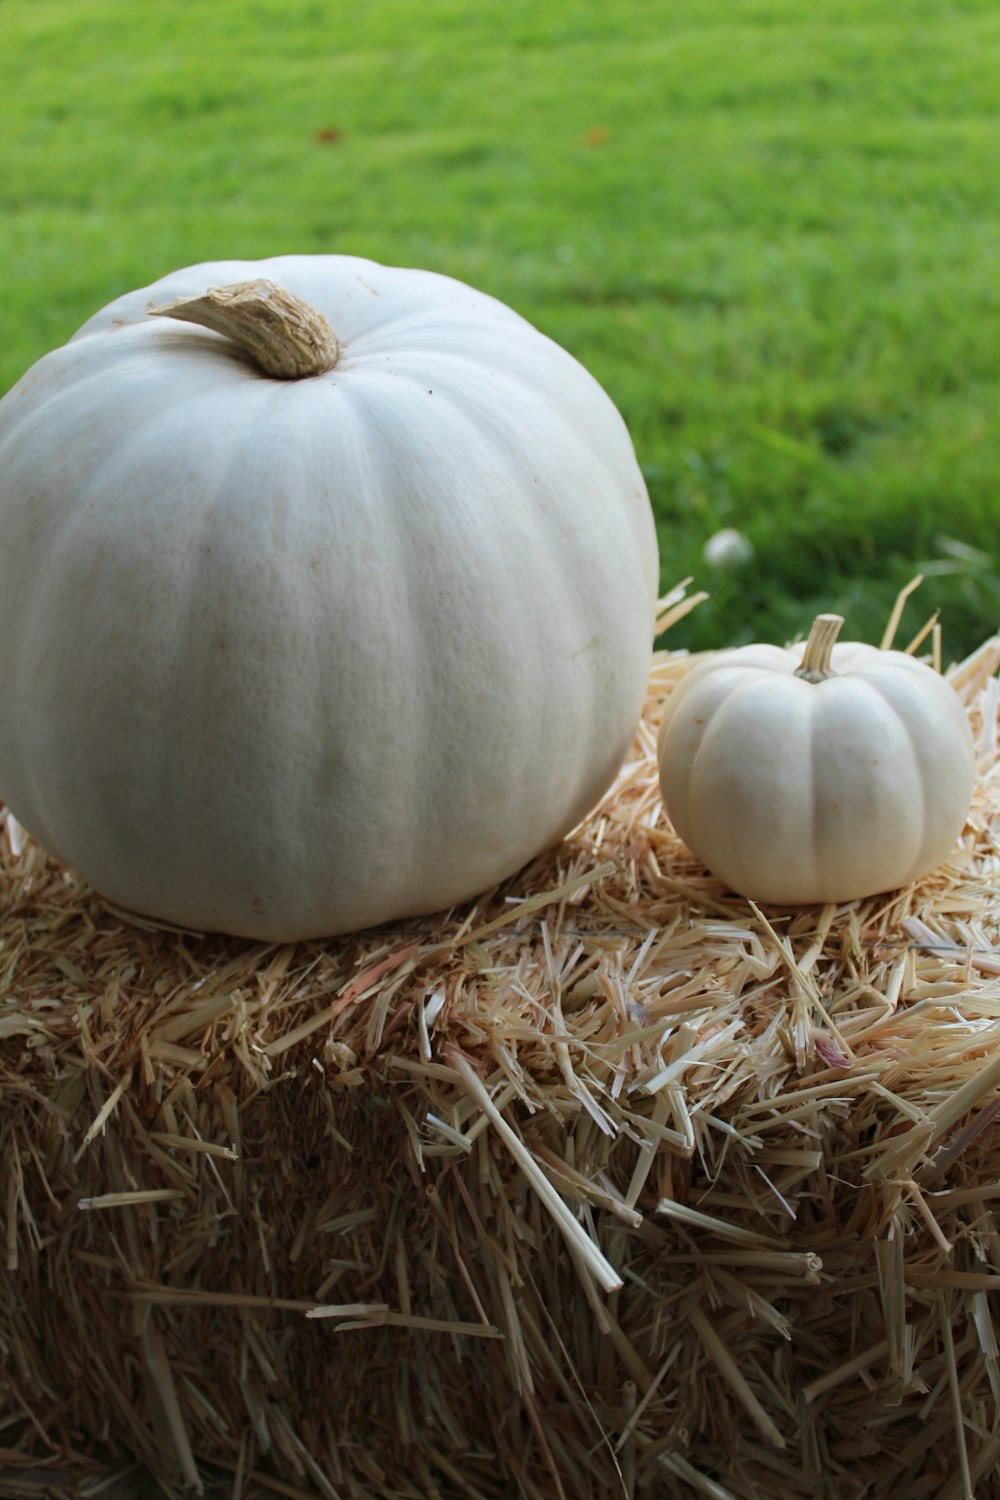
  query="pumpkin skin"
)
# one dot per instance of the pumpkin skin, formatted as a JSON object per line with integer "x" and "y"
{"x": 288, "y": 658}
{"x": 796, "y": 791}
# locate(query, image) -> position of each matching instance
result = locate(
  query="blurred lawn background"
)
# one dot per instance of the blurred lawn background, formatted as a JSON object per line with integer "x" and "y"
{"x": 771, "y": 230}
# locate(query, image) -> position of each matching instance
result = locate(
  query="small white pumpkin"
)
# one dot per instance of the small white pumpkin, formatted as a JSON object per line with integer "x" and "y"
{"x": 302, "y": 632}
{"x": 818, "y": 774}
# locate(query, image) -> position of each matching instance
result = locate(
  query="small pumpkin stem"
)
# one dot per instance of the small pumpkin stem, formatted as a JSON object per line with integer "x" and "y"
{"x": 815, "y": 663}
{"x": 283, "y": 336}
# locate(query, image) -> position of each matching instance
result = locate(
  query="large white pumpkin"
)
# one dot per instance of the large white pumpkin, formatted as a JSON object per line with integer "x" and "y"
{"x": 288, "y": 657}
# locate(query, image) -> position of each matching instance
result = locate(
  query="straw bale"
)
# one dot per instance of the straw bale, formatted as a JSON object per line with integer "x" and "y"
{"x": 607, "y": 1184}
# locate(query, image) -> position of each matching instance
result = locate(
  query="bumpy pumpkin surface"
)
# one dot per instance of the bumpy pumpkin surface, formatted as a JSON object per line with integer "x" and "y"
{"x": 807, "y": 775}
{"x": 289, "y": 657}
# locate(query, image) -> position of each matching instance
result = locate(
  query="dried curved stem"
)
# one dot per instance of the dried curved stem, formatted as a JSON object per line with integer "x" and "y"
{"x": 285, "y": 337}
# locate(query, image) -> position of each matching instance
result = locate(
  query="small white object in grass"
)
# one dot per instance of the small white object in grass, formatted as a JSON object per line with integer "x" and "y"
{"x": 728, "y": 549}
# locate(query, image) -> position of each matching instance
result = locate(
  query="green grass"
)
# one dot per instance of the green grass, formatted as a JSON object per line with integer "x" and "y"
{"x": 771, "y": 230}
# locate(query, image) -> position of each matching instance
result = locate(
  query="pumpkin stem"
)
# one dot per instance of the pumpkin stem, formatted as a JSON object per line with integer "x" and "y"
{"x": 283, "y": 336}
{"x": 815, "y": 663}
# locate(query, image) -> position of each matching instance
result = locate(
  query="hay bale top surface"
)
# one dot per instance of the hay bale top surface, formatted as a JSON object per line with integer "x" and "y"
{"x": 610, "y": 1128}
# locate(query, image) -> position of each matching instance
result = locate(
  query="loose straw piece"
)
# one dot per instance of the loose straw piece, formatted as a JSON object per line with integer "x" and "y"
{"x": 162, "y": 1382}
{"x": 352, "y": 993}
{"x": 726, "y": 1229}
{"x": 951, "y": 1365}
{"x": 846, "y": 1371}
{"x": 130, "y": 1199}
{"x": 103, "y": 1115}
{"x": 889, "y": 634}
{"x": 720, "y": 1355}
{"x": 533, "y": 904}
{"x": 380, "y": 1315}
{"x": 675, "y": 606}
{"x": 600, "y": 1268}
